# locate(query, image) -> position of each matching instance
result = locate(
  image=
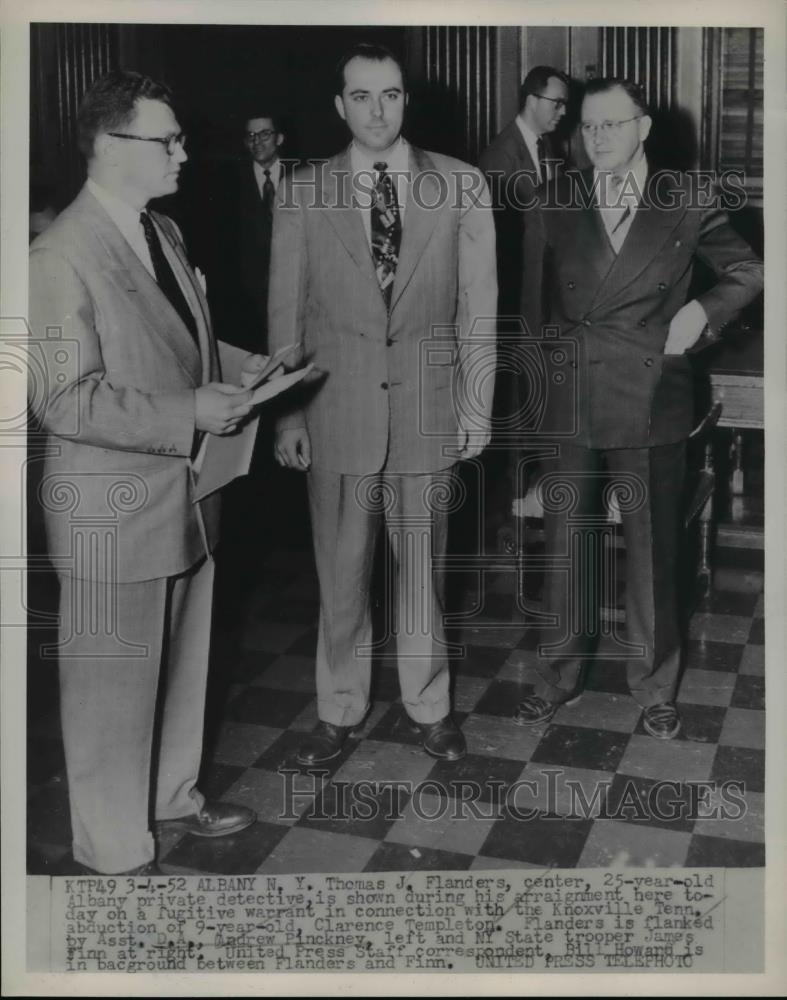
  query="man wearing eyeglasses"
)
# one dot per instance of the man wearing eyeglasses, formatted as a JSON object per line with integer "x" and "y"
{"x": 516, "y": 162}
{"x": 522, "y": 157}
{"x": 621, "y": 242}
{"x": 131, "y": 383}
{"x": 262, "y": 137}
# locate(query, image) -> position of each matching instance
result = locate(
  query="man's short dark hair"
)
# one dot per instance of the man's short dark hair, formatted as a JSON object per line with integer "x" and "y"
{"x": 366, "y": 50}
{"x": 537, "y": 81}
{"x": 276, "y": 119}
{"x": 110, "y": 102}
{"x": 603, "y": 84}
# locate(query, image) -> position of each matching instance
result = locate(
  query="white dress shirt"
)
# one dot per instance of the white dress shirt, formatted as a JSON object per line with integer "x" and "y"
{"x": 275, "y": 171}
{"x": 618, "y": 198}
{"x": 126, "y": 218}
{"x": 361, "y": 162}
{"x": 531, "y": 141}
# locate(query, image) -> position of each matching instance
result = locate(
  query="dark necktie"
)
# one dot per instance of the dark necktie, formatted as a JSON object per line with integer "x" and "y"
{"x": 386, "y": 226}
{"x": 165, "y": 277}
{"x": 268, "y": 192}
{"x": 542, "y": 159}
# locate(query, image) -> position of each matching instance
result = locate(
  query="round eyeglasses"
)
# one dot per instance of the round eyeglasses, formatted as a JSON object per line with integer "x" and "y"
{"x": 606, "y": 128}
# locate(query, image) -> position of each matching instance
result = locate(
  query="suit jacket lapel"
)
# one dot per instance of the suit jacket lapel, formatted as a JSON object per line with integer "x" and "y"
{"x": 654, "y": 220}
{"x": 195, "y": 297}
{"x": 336, "y": 195}
{"x": 419, "y": 218}
{"x": 152, "y": 305}
{"x": 519, "y": 145}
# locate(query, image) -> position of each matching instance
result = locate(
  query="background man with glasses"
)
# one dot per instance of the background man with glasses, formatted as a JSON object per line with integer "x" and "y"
{"x": 516, "y": 162}
{"x": 621, "y": 242}
{"x": 131, "y": 384}
{"x": 262, "y": 173}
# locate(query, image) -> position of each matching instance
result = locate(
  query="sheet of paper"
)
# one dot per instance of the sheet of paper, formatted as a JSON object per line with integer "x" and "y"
{"x": 221, "y": 459}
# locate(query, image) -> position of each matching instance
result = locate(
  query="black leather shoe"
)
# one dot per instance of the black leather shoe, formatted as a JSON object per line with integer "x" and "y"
{"x": 661, "y": 721}
{"x": 323, "y": 743}
{"x": 442, "y": 739}
{"x": 215, "y": 819}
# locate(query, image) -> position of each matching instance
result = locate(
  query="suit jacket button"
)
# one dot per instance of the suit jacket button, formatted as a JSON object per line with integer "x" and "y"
{"x": 642, "y": 322}
{"x": 383, "y": 385}
{"x": 662, "y": 286}
{"x": 648, "y": 362}
{"x": 388, "y": 342}
{"x": 586, "y": 322}
{"x": 571, "y": 285}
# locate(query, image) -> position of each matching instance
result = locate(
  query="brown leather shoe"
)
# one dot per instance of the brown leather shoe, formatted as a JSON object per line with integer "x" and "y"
{"x": 215, "y": 819}
{"x": 442, "y": 739}
{"x": 323, "y": 743}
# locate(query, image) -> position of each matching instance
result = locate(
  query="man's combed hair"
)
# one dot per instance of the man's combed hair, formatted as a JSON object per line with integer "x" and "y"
{"x": 365, "y": 50}
{"x": 537, "y": 81}
{"x": 109, "y": 104}
{"x": 603, "y": 84}
{"x": 277, "y": 120}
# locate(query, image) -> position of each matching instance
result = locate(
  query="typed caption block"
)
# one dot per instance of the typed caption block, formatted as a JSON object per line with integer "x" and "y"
{"x": 651, "y": 920}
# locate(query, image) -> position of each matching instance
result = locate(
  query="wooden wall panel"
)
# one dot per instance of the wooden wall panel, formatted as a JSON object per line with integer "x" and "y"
{"x": 461, "y": 61}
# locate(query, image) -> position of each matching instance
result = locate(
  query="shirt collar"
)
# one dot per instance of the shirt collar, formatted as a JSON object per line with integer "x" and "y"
{"x": 125, "y": 216}
{"x": 397, "y": 158}
{"x": 634, "y": 181}
{"x": 275, "y": 169}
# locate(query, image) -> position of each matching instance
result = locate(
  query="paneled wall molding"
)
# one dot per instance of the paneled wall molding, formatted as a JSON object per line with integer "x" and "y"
{"x": 645, "y": 55}
{"x": 65, "y": 60}
{"x": 462, "y": 63}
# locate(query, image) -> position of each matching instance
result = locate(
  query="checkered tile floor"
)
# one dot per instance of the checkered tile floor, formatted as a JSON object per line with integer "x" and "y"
{"x": 262, "y": 701}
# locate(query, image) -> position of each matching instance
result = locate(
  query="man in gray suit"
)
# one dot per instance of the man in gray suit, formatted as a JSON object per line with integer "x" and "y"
{"x": 129, "y": 388}
{"x": 383, "y": 270}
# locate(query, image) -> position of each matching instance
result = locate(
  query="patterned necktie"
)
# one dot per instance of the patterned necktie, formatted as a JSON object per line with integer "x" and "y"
{"x": 386, "y": 226}
{"x": 268, "y": 192}
{"x": 167, "y": 281}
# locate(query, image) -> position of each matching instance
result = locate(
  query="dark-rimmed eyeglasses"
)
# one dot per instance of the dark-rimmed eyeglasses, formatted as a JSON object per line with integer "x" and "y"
{"x": 606, "y": 128}
{"x": 559, "y": 102}
{"x": 169, "y": 142}
{"x": 263, "y": 135}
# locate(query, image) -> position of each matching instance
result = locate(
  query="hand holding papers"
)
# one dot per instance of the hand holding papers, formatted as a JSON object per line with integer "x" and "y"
{"x": 222, "y": 459}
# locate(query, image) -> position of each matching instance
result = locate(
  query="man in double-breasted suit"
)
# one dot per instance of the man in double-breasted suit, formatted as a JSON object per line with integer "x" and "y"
{"x": 383, "y": 270}
{"x": 620, "y": 244}
{"x": 130, "y": 384}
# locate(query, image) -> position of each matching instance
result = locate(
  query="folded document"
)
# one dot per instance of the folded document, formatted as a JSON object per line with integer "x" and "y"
{"x": 221, "y": 459}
